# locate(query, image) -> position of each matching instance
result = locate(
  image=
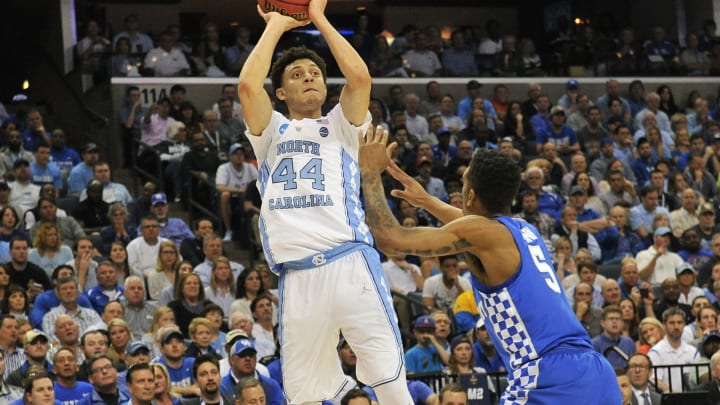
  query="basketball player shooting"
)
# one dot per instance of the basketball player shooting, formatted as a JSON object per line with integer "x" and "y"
{"x": 546, "y": 351}
{"x": 312, "y": 224}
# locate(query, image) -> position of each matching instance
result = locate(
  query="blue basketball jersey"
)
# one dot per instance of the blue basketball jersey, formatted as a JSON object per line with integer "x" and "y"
{"x": 528, "y": 316}
{"x": 309, "y": 180}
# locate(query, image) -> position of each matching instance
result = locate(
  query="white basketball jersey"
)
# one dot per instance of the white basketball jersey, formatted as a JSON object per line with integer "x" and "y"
{"x": 309, "y": 180}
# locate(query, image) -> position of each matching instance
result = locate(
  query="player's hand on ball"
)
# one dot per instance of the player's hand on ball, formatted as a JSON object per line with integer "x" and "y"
{"x": 288, "y": 23}
{"x": 316, "y": 9}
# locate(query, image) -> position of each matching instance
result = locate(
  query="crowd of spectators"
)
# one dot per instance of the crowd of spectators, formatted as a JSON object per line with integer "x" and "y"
{"x": 581, "y": 50}
{"x": 623, "y": 187}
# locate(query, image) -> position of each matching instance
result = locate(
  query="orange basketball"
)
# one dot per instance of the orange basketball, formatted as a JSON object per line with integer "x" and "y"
{"x": 297, "y": 9}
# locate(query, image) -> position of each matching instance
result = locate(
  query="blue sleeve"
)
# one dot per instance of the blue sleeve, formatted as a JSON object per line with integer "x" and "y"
{"x": 273, "y": 392}
{"x": 57, "y": 179}
{"x": 419, "y": 391}
{"x": 410, "y": 363}
{"x": 39, "y": 309}
{"x": 542, "y": 137}
{"x": 572, "y": 136}
{"x": 84, "y": 301}
{"x": 75, "y": 157}
{"x": 75, "y": 182}
{"x": 465, "y": 321}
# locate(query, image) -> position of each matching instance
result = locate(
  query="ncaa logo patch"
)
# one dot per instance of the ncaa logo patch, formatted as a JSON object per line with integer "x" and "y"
{"x": 324, "y": 132}
{"x": 283, "y": 128}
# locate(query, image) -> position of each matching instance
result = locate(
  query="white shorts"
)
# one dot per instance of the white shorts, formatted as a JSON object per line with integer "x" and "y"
{"x": 349, "y": 294}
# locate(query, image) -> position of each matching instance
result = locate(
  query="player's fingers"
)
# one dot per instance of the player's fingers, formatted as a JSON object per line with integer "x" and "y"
{"x": 399, "y": 194}
{"x": 377, "y": 134}
{"x": 390, "y": 149}
{"x": 362, "y": 136}
{"x": 384, "y": 134}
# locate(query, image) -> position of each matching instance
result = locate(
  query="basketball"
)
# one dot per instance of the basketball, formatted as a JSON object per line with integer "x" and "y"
{"x": 297, "y": 9}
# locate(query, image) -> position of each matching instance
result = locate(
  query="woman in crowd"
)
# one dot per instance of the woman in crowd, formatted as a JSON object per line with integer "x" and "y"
{"x": 667, "y": 101}
{"x": 168, "y": 293}
{"x": 49, "y": 252}
{"x": 122, "y": 63}
{"x": 564, "y": 261}
{"x": 249, "y": 286}
{"x": 119, "y": 258}
{"x": 164, "y": 275}
{"x": 461, "y": 359}
{"x": 582, "y": 179}
{"x": 4, "y": 282}
{"x": 189, "y": 301}
{"x": 221, "y": 290}
{"x": 163, "y": 316}
{"x": 651, "y": 331}
{"x": 118, "y": 230}
{"x": 16, "y": 302}
{"x": 631, "y": 319}
{"x": 513, "y": 125}
{"x": 164, "y": 391}
{"x": 10, "y": 225}
{"x": 120, "y": 336}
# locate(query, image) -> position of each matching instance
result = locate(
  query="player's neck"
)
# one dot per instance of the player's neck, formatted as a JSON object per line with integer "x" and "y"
{"x": 309, "y": 112}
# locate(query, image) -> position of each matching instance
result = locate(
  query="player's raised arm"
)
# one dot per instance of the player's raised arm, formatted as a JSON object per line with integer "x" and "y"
{"x": 257, "y": 107}
{"x": 355, "y": 96}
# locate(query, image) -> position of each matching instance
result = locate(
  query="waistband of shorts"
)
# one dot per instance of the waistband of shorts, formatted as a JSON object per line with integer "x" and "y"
{"x": 325, "y": 257}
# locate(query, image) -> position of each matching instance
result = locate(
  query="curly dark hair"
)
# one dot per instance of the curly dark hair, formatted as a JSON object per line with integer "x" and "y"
{"x": 288, "y": 57}
{"x": 495, "y": 177}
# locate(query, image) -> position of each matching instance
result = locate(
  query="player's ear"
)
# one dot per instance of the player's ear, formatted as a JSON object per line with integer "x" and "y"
{"x": 470, "y": 198}
{"x": 280, "y": 93}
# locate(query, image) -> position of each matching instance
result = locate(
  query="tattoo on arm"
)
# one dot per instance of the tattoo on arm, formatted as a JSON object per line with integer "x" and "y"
{"x": 457, "y": 245}
{"x": 379, "y": 216}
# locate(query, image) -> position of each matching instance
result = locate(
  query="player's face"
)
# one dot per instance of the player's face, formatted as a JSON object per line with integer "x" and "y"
{"x": 303, "y": 85}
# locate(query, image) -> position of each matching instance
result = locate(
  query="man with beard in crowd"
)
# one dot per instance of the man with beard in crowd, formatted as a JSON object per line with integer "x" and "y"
{"x": 670, "y": 299}
{"x": 207, "y": 375}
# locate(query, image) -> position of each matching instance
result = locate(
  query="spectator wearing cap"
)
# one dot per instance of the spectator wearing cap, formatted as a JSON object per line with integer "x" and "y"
{"x": 35, "y": 345}
{"x": 611, "y": 343}
{"x": 135, "y": 353}
{"x": 558, "y": 133}
{"x": 687, "y": 215}
{"x": 243, "y": 360}
{"x": 656, "y": 263}
{"x": 174, "y": 229}
{"x": 570, "y": 228}
{"x": 23, "y": 193}
{"x": 465, "y": 106}
{"x": 35, "y": 131}
{"x": 67, "y": 388}
{"x": 83, "y": 172}
{"x": 433, "y": 185}
{"x": 231, "y": 180}
{"x": 143, "y": 251}
{"x": 569, "y": 100}
{"x": 443, "y": 151}
{"x": 68, "y": 293}
{"x": 423, "y": 357}
{"x": 484, "y": 351}
{"x": 686, "y": 281}
{"x": 42, "y": 170}
{"x": 62, "y": 155}
{"x": 233, "y": 336}
{"x": 172, "y": 348}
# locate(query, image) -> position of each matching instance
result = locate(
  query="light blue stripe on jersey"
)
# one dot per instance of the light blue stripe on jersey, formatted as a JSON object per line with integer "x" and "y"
{"x": 263, "y": 176}
{"x": 372, "y": 262}
{"x": 266, "y": 246}
{"x": 353, "y": 208}
{"x": 324, "y": 258}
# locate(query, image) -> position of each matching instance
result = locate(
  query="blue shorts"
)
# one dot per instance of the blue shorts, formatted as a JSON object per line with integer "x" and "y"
{"x": 564, "y": 377}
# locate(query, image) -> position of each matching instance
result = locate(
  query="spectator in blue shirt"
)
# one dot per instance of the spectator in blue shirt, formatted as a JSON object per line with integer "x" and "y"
{"x": 172, "y": 347}
{"x": 35, "y": 131}
{"x": 103, "y": 376}
{"x": 63, "y": 156}
{"x": 611, "y": 343}
{"x": 484, "y": 352}
{"x": 82, "y": 173}
{"x": 68, "y": 390}
{"x": 423, "y": 357}
{"x": 243, "y": 359}
{"x": 106, "y": 289}
{"x": 42, "y": 170}
{"x": 558, "y": 133}
{"x": 49, "y": 300}
{"x": 174, "y": 229}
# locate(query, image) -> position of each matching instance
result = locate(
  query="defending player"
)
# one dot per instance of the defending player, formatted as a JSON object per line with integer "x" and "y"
{"x": 313, "y": 227}
{"x": 545, "y": 349}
